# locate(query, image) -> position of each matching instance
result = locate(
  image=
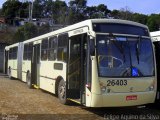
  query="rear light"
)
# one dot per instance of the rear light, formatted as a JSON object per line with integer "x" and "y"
{"x": 88, "y": 85}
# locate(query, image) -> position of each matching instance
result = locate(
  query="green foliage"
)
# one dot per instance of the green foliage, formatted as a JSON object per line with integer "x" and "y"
{"x": 1, "y": 12}
{"x": 153, "y": 22}
{"x": 100, "y": 11}
{"x": 43, "y": 29}
{"x": 11, "y": 8}
{"x": 123, "y": 13}
{"x": 60, "y": 13}
{"x": 38, "y": 8}
{"x": 78, "y": 3}
{"x": 25, "y": 32}
{"x": 141, "y": 18}
{"x": 76, "y": 11}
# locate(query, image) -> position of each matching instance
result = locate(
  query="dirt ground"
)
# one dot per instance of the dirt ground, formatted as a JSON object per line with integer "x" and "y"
{"x": 18, "y": 102}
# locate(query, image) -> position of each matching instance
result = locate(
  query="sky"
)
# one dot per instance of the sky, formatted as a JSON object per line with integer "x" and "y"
{"x": 140, "y": 6}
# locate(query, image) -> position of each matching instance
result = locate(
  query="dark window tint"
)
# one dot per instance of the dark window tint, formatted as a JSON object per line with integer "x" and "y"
{"x": 120, "y": 29}
{"x": 52, "y": 50}
{"x": 13, "y": 53}
{"x": 62, "y": 47}
{"x": 44, "y": 49}
{"x": 30, "y": 48}
{"x": 27, "y": 54}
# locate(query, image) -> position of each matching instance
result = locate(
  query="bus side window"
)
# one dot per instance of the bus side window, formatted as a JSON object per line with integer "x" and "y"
{"x": 44, "y": 49}
{"x": 14, "y": 53}
{"x": 29, "y": 52}
{"x": 10, "y": 53}
{"x": 62, "y": 47}
{"x": 52, "y": 50}
{"x": 25, "y": 52}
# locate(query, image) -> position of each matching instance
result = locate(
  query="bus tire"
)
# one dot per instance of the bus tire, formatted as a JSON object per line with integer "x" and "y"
{"x": 62, "y": 92}
{"x": 9, "y": 73}
{"x": 28, "y": 79}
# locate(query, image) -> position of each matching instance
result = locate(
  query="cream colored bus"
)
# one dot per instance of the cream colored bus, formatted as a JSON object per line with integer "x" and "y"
{"x": 13, "y": 60}
{"x": 97, "y": 63}
{"x": 156, "y": 41}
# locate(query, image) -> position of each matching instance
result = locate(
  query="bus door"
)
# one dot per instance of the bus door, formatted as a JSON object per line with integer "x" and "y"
{"x": 35, "y": 64}
{"x": 6, "y": 62}
{"x": 77, "y": 68}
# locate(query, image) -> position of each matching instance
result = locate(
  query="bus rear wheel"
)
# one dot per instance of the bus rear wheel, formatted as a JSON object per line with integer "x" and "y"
{"x": 62, "y": 92}
{"x": 28, "y": 79}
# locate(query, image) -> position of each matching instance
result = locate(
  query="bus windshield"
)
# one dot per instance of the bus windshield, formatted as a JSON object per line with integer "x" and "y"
{"x": 121, "y": 56}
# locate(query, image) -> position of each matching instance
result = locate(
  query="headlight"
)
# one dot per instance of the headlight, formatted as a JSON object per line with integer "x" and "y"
{"x": 151, "y": 88}
{"x": 103, "y": 89}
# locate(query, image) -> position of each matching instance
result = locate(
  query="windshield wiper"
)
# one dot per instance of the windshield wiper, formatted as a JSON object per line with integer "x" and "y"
{"x": 120, "y": 48}
{"x": 138, "y": 48}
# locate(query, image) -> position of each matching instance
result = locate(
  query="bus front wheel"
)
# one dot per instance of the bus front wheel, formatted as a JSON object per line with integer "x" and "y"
{"x": 28, "y": 79}
{"x": 62, "y": 92}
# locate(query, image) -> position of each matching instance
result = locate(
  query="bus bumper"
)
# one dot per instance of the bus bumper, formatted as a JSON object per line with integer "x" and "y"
{"x": 121, "y": 99}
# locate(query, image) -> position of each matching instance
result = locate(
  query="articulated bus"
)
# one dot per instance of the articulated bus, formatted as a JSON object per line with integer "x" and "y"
{"x": 156, "y": 41}
{"x": 96, "y": 63}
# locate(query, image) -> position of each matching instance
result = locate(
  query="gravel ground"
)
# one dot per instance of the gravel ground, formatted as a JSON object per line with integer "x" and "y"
{"x": 18, "y": 102}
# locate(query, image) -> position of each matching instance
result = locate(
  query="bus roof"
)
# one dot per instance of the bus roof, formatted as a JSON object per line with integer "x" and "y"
{"x": 86, "y": 23}
{"x": 10, "y": 46}
{"x": 117, "y": 21}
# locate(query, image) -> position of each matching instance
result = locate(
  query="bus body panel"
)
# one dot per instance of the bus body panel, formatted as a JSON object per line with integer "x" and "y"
{"x": 119, "y": 99}
{"x": 139, "y": 87}
{"x": 48, "y": 79}
{"x": 19, "y": 59}
{"x": 26, "y": 67}
{"x": 88, "y": 97}
{"x": 13, "y": 66}
{"x": 13, "y": 62}
{"x": 132, "y": 84}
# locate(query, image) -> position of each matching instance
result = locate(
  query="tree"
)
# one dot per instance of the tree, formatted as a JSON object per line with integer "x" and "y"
{"x": 100, "y": 11}
{"x": 25, "y": 32}
{"x": 59, "y": 12}
{"x": 103, "y": 10}
{"x": 19, "y": 35}
{"x": 153, "y": 22}
{"x": 125, "y": 13}
{"x": 76, "y": 11}
{"x": 47, "y": 8}
{"x": 1, "y": 12}
{"x": 10, "y": 8}
{"x": 23, "y": 10}
{"x": 140, "y": 18}
{"x": 43, "y": 29}
{"x": 115, "y": 14}
{"x": 38, "y": 6}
